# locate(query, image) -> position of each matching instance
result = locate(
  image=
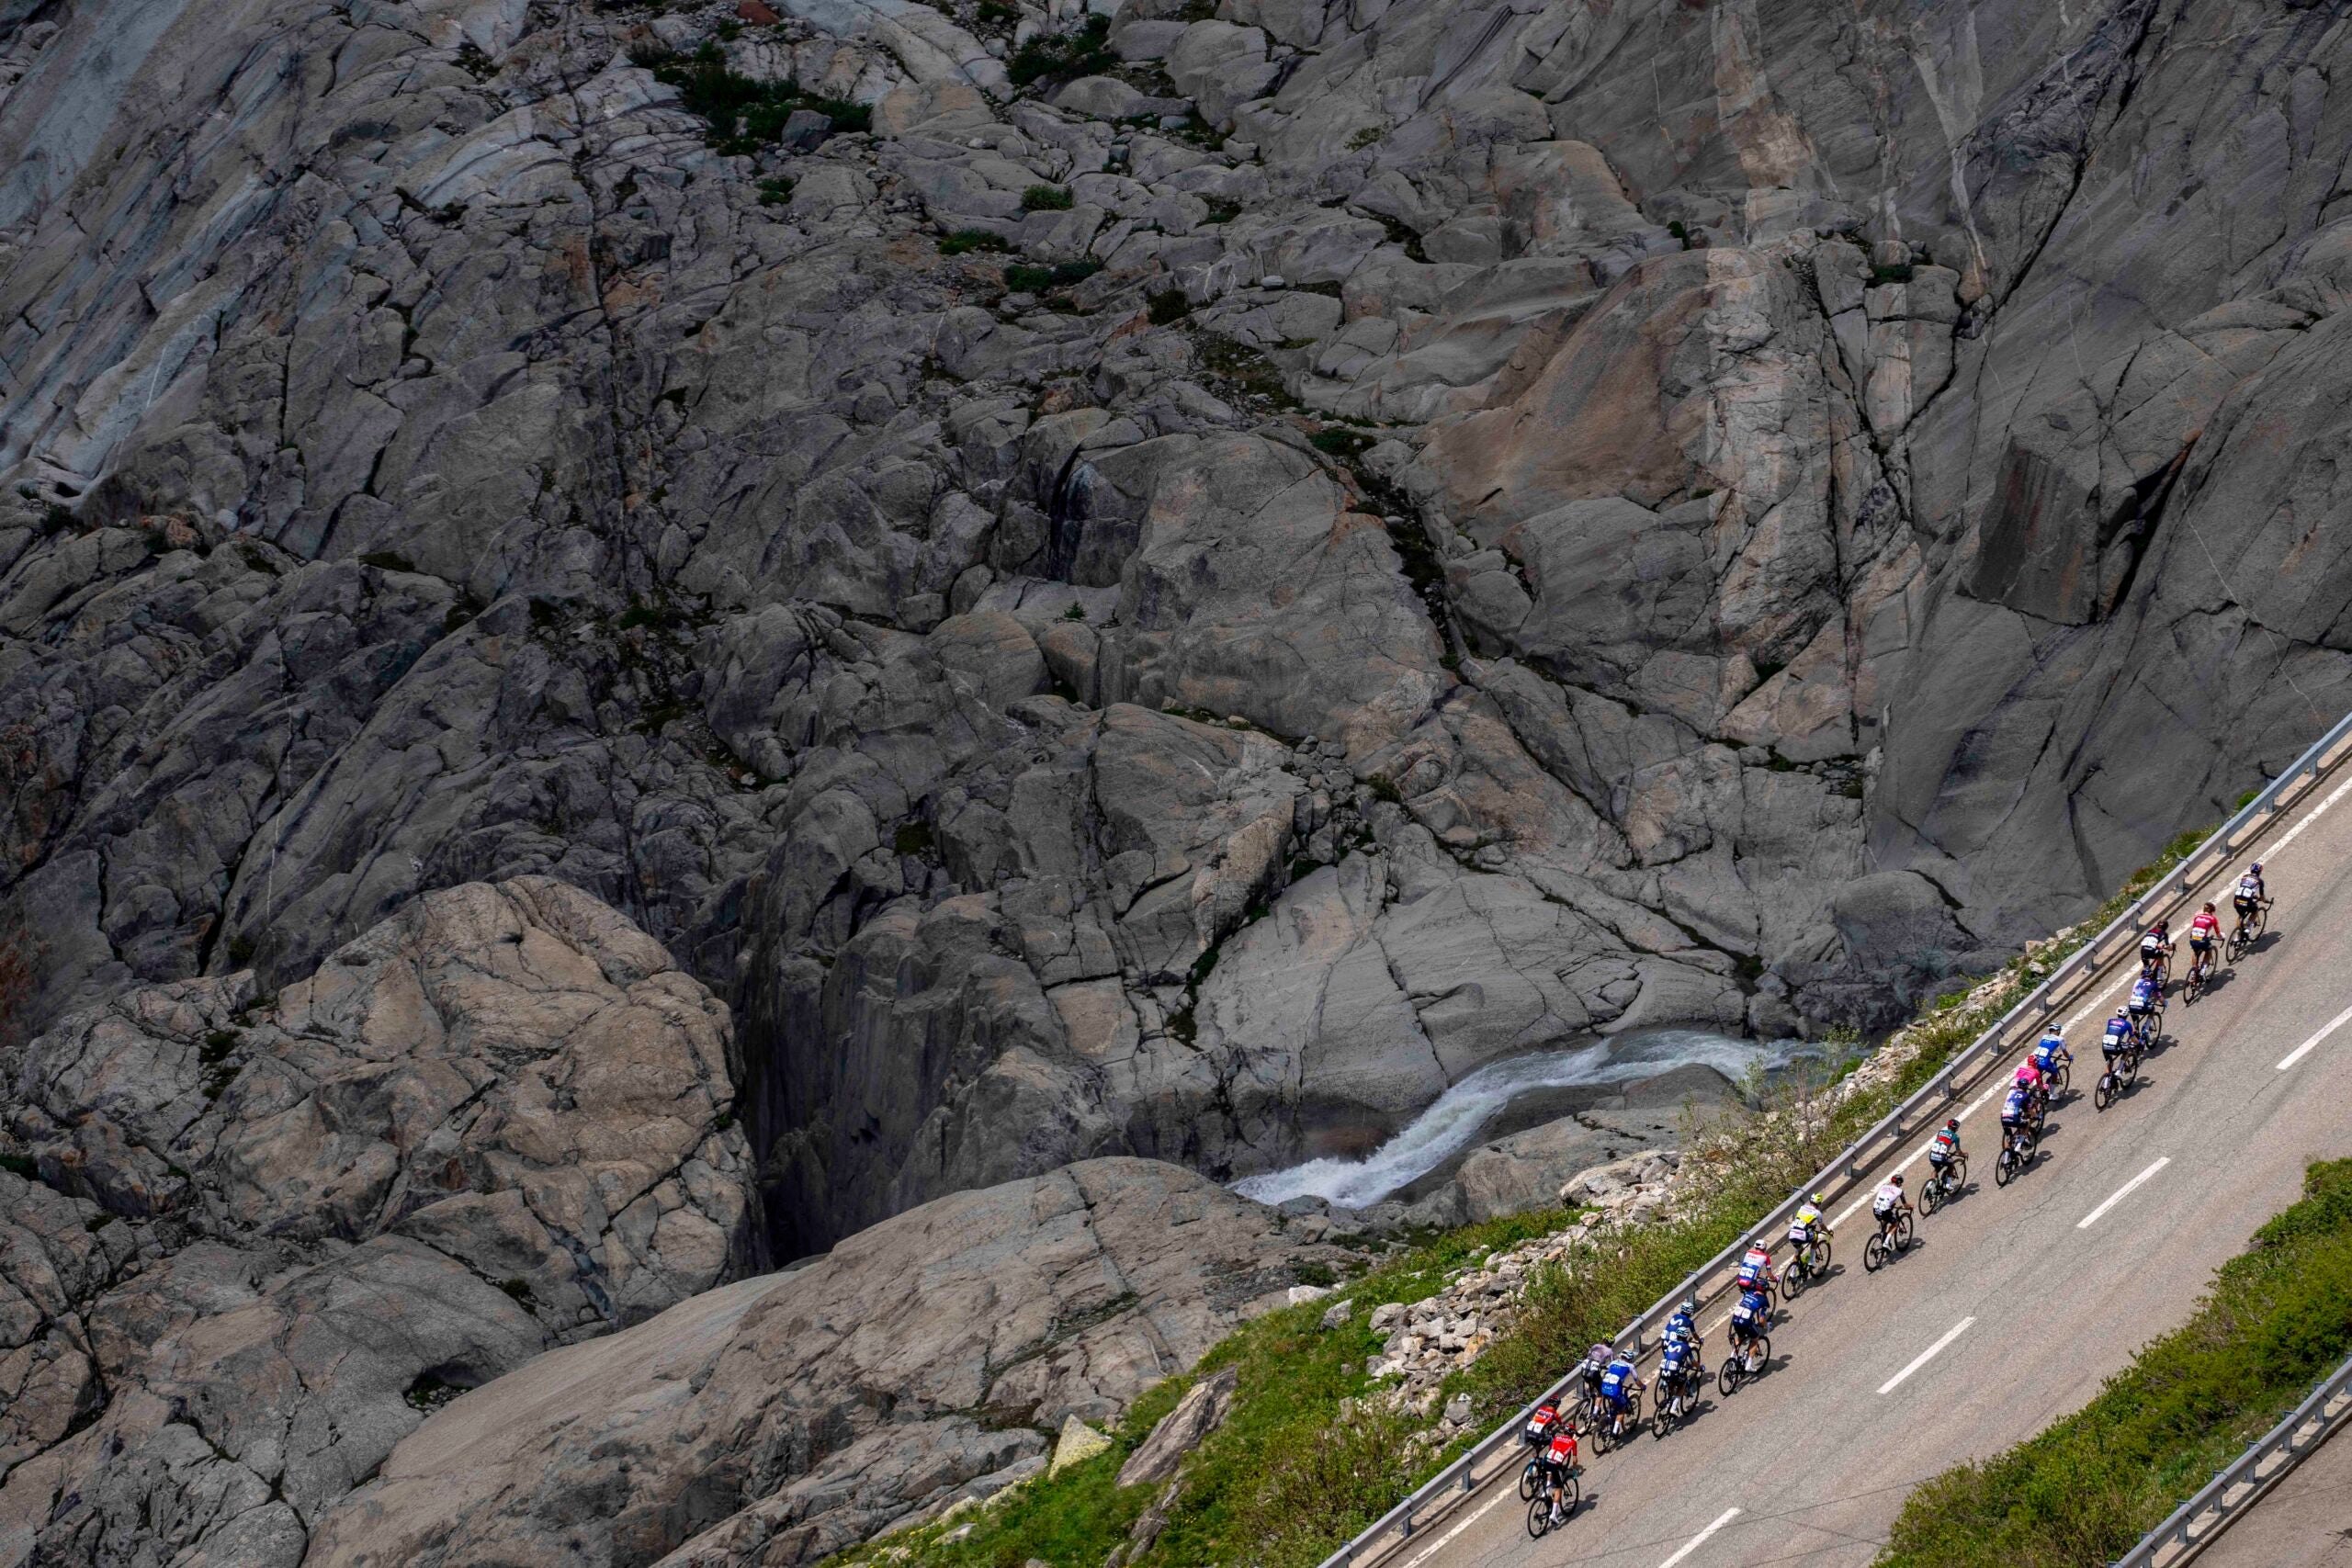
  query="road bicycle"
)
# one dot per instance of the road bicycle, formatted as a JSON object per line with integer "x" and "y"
{"x": 1676, "y": 1398}
{"x": 2017, "y": 1153}
{"x": 2121, "y": 1070}
{"x": 1540, "y": 1508}
{"x": 1944, "y": 1185}
{"x": 1615, "y": 1426}
{"x": 2056, "y": 1081}
{"x": 2249, "y": 928}
{"x": 1808, "y": 1264}
{"x": 1538, "y": 1434}
{"x": 1889, "y": 1241}
{"x": 2200, "y": 970}
{"x": 1745, "y": 1362}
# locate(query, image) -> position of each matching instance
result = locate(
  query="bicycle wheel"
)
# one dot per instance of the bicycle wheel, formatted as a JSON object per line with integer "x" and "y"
{"x": 1539, "y": 1517}
{"x": 1931, "y": 1196}
{"x": 1727, "y": 1378}
{"x": 2194, "y": 988}
{"x": 2103, "y": 1095}
{"x": 1903, "y": 1232}
{"x": 1763, "y": 1356}
{"x": 1874, "y": 1252}
{"x": 2061, "y": 1081}
{"x": 2005, "y": 1169}
{"x": 1793, "y": 1278}
{"x": 1527, "y": 1480}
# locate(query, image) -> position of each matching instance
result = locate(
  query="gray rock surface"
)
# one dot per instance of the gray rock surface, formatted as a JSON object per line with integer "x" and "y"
{"x": 783, "y": 1417}
{"x": 1542, "y": 520}
{"x": 267, "y": 1234}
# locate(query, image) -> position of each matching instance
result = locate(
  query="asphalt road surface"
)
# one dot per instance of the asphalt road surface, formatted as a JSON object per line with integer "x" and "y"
{"x": 2015, "y": 1303}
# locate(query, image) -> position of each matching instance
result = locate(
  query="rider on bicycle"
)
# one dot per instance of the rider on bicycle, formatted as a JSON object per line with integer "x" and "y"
{"x": 1748, "y": 1318}
{"x": 1808, "y": 1227}
{"x": 2050, "y": 1051}
{"x": 1684, "y": 1324}
{"x": 2122, "y": 1036}
{"x": 1888, "y": 1204}
{"x": 2250, "y": 894}
{"x": 1756, "y": 1267}
{"x": 2015, "y": 1111}
{"x": 1945, "y": 1148}
{"x": 1596, "y": 1361}
{"x": 1619, "y": 1386}
{"x": 1553, "y": 1459}
{"x": 2202, "y": 928}
{"x": 1678, "y": 1359}
{"x": 2155, "y": 949}
{"x": 2140, "y": 1008}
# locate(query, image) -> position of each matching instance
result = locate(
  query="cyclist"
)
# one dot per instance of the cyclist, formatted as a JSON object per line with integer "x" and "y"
{"x": 1596, "y": 1362}
{"x": 1944, "y": 1148}
{"x": 1553, "y": 1463}
{"x": 2029, "y": 1079}
{"x": 2050, "y": 1051}
{"x": 1684, "y": 1324}
{"x": 2120, "y": 1038}
{"x": 1756, "y": 1267}
{"x": 2155, "y": 949}
{"x": 2250, "y": 894}
{"x": 1889, "y": 1204}
{"x": 2140, "y": 1008}
{"x": 2203, "y": 927}
{"x": 1540, "y": 1425}
{"x": 1619, "y": 1386}
{"x": 1677, "y": 1365}
{"x": 1808, "y": 1227}
{"x": 1749, "y": 1317}
{"x": 2015, "y": 1111}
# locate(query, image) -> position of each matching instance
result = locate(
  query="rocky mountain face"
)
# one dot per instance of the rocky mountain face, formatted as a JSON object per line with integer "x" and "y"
{"x": 1151, "y": 585}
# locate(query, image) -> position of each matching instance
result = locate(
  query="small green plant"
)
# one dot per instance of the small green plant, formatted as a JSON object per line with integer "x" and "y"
{"x": 744, "y": 116}
{"x": 775, "y": 191}
{"x": 964, "y": 241}
{"x": 1055, "y": 58}
{"x": 429, "y": 1393}
{"x": 1077, "y": 611}
{"x": 729, "y": 29}
{"x": 1166, "y": 305}
{"x": 1023, "y": 278}
{"x": 1383, "y": 788}
{"x": 520, "y": 1289}
{"x": 474, "y": 62}
{"x": 1220, "y": 210}
{"x": 1046, "y": 199}
{"x": 1681, "y": 233}
{"x": 1339, "y": 442}
{"x": 1364, "y": 139}
{"x": 996, "y": 14}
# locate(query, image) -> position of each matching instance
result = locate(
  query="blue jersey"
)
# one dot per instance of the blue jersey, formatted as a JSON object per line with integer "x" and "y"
{"x": 1751, "y": 1310}
{"x": 1671, "y": 1361}
{"x": 1616, "y": 1381}
{"x": 2119, "y": 1034}
{"x": 2047, "y": 1052}
{"x": 2144, "y": 994}
{"x": 2017, "y": 1104}
{"x": 1680, "y": 1327}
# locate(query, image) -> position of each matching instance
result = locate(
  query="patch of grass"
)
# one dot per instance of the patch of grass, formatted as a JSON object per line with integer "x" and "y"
{"x": 1166, "y": 306}
{"x": 1046, "y": 199}
{"x": 744, "y": 116}
{"x": 2083, "y": 1491}
{"x": 964, "y": 241}
{"x": 996, "y": 12}
{"x": 520, "y": 1289}
{"x": 1341, "y": 441}
{"x": 1285, "y": 1475}
{"x": 1364, "y": 139}
{"x": 1077, "y": 611}
{"x": 1024, "y": 278}
{"x": 1055, "y": 58}
{"x": 775, "y": 191}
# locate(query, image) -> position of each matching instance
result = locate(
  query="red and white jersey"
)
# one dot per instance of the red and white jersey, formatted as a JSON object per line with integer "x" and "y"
{"x": 1562, "y": 1451}
{"x": 2203, "y": 927}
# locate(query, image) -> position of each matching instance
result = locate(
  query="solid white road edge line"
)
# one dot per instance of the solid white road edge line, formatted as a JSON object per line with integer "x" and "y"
{"x": 2120, "y": 1193}
{"x": 2296, "y": 831}
{"x": 1929, "y": 1353}
{"x": 2299, "y": 1052}
{"x": 1696, "y": 1541}
{"x": 1442, "y": 1543}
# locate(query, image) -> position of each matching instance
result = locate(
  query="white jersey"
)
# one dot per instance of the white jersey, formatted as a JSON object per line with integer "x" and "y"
{"x": 1886, "y": 1199}
{"x": 2249, "y": 886}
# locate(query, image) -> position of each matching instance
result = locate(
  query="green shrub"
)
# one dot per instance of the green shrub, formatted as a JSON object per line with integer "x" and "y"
{"x": 2081, "y": 1492}
{"x": 1062, "y": 57}
{"x": 962, "y": 242}
{"x": 1046, "y": 199}
{"x": 744, "y": 116}
{"x": 1024, "y": 278}
{"x": 1167, "y": 305}
{"x": 775, "y": 192}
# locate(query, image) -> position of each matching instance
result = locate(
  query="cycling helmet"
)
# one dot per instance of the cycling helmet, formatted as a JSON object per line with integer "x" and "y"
{"x": 1952, "y": 1126}
{"x": 1691, "y": 1304}
{"x": 1819, "y": 1200}
{"x": 1897, "y": 1178}
{"x": 2162, "y": 924}
{"x": 2255, "y": 868}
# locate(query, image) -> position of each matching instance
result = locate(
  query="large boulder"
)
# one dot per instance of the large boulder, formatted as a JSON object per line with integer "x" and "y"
{"x": 270, "y": 1233}
{"x": 785, "y": 1418}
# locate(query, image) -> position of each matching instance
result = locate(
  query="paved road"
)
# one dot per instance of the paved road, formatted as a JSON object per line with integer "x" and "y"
{"x": 2034, "y": 1292}
{"x": 2305, "y": 1522}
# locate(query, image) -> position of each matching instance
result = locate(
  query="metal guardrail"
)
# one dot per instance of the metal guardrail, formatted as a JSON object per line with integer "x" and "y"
{"x": 2305, "y": 1427}
{"x": 1464, "y": 1476}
